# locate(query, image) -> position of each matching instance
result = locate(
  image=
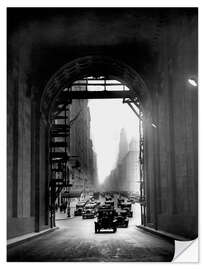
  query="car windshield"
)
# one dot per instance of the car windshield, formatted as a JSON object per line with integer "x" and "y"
{"x": 105, "y": 213}
{"x": 80, "y": 204}
{"x": 126, "y": 205}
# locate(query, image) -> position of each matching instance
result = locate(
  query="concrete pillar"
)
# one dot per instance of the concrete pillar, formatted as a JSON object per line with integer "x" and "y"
{"x": 149, "y": 165}
{"x": 35, "y": 158}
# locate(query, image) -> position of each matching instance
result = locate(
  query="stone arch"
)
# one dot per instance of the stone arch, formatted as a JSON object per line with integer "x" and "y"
{"x": 99, "y": 66}
{"x": 93, "y": 66}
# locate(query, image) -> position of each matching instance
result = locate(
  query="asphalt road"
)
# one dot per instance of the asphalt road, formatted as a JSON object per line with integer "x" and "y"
{"x": 75, "y": 241}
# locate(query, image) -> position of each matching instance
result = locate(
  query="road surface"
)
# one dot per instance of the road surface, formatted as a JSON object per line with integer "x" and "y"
{"x": 75, "y": 241}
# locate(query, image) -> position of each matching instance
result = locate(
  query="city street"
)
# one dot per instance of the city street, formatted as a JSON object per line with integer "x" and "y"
{"x": 75, "y": 241}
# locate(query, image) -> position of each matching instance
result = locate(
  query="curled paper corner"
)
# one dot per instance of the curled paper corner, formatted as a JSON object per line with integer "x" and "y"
{"x": 186, "y": 251}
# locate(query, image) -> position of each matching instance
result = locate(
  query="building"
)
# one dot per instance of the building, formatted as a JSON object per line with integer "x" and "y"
{"x": 123, "y": 146}
{"x": 84, "y": 177}
{"x": 126, "y": 176}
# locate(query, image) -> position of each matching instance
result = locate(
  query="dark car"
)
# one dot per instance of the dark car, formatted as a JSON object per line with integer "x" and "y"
{"x": 127, "y": 206}
{"x": 89, "y": 211}
{"x": 122, "y": 219}
{"x": 120, "y": 201}
{"x": 98, "y": 203}
{"x": 131, "y": 199}
{"x": 108, "y": 198}
{"x": 79, "y": 208}
{"x": 106, "y": 219}
{"x": 109, "y": 204}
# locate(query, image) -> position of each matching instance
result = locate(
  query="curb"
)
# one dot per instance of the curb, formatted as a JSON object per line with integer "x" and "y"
{"x": 17, "y": 241}
{"x": 168, "y": 236}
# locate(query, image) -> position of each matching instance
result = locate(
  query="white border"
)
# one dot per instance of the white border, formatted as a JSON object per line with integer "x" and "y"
{"x": 104, "y": 3}
{"x": 59, "y": 3}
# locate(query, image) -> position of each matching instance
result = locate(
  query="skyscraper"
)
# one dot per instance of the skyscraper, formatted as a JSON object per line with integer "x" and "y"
{"x": 123, "y": 146}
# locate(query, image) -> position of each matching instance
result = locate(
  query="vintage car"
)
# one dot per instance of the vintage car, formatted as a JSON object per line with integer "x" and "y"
{"x": 89, "y": 211}
{"x": 127, "y": 206}
{"x": 122, "y": 219}
{"x": 79, "y": 208}
{"x": 106, "y": 219}
{"x": 91, "y": 199}
{"x": 134, "y": 198}
{"x": 108, "y": 198}
{"x": 109, "y": 204}
{"x": 120, "y": 201}
{"x": 98, "y": 203}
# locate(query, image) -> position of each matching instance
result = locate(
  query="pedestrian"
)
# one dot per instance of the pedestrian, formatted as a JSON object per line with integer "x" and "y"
{"x": 64, "y": 207}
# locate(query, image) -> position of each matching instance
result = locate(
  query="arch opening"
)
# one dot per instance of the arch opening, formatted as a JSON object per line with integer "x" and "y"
{"x": 56, "y": 109}
{"x": 93, "y": 66}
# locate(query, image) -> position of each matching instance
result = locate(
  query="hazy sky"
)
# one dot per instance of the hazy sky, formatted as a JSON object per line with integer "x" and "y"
{"x": 107, "y": 118}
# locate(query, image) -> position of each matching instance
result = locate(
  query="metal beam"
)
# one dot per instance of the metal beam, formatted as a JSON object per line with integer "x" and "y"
{"x": 131, "y": 106}
{"x": 95, "y": 95}
{"x": 97, "y": 84}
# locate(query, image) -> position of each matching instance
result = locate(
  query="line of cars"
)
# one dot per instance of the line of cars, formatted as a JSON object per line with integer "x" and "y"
{"x": 87, "y": 209}
{"x": 108, "y": 217}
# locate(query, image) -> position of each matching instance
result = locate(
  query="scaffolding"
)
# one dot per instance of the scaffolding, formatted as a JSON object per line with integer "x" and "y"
{"x": 59, "y": 136}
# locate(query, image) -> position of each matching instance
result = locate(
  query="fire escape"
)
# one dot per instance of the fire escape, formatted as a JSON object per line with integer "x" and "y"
{"x": 59, "y": 155}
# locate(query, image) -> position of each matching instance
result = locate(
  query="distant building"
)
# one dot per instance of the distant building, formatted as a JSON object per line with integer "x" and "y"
{"x": 126, "y": 175}
{"x": 123, "y": 146}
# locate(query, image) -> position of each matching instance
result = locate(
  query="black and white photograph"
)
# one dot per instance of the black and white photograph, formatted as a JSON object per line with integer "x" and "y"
{"x": 102, "y": 133}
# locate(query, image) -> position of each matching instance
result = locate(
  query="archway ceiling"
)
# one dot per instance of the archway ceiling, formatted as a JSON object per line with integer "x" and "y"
{"x": 49, "y": 38}
{"x": 86, "y": 66}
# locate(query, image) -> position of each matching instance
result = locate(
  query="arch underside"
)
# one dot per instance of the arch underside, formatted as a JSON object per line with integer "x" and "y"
{"x": 91, "y": 66}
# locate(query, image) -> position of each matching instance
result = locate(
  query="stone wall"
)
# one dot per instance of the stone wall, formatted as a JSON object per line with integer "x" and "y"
{"x": 172, "y": 186}
{"x": 19, "y": 155}
{"x": 22, "y": 157}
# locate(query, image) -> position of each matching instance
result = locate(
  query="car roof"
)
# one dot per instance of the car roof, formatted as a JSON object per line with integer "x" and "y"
{"x": 90, "y": 205}
{"x": 80, "y": 203}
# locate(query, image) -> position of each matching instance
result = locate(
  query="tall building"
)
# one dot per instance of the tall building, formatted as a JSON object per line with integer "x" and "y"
{"x": 126, "y": 175}
{"x": 83, "y": 178}
{"x": 123, "y": 145}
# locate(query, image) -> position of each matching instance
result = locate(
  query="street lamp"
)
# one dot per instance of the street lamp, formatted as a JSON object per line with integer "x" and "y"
{"x": 193, "y": 81}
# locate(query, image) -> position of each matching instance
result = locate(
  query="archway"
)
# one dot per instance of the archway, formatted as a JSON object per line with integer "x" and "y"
{"x": 88, "y": 66}
{"x": 108, "y": 68}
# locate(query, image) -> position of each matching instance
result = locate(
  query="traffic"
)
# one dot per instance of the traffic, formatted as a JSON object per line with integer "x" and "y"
{"x": 110, "y": 211}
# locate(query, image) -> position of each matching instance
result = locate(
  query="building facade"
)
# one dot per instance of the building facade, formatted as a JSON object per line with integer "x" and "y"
{"x": 125, "y": 177}
{"x": 84, "y": 177}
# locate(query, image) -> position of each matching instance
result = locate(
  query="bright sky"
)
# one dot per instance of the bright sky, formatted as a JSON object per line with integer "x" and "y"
{"x": 107, "y": 118}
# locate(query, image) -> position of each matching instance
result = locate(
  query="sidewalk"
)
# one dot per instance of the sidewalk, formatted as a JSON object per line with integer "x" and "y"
{"x": 62, "y": 215}
{"x": 27, "y": 237}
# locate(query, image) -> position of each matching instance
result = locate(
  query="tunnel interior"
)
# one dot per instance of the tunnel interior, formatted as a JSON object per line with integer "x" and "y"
{"x": 154, "y": 53}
